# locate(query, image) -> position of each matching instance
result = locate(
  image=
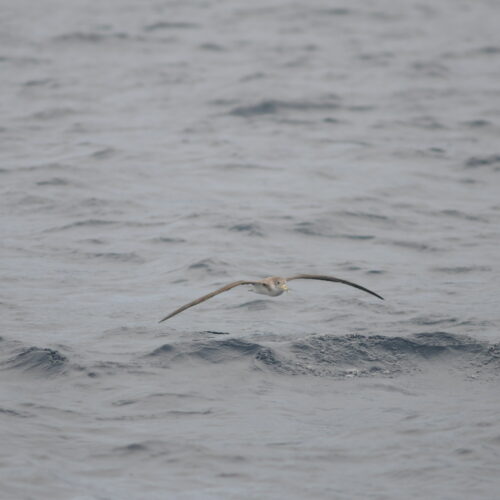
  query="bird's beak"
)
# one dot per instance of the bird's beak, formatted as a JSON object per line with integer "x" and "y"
{"x": 284, "y": 287}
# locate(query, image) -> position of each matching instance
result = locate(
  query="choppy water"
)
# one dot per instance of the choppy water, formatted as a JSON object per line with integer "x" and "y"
{"x": 152, "y": 151}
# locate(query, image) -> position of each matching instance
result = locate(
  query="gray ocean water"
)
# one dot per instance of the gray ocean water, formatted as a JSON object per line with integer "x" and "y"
{"x": 152, "y": 151}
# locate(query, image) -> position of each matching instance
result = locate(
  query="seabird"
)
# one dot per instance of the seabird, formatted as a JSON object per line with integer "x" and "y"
{"x": 272, "y": 286}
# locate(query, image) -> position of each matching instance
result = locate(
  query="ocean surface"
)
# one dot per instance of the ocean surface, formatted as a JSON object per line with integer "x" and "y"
{"x": 153, "y": 151}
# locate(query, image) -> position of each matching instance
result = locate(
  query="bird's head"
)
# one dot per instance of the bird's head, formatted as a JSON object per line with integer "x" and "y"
{"x": 280, "y": 284}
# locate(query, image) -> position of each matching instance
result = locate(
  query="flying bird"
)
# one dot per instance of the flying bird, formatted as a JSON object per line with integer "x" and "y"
{"x": 272, "y": 286}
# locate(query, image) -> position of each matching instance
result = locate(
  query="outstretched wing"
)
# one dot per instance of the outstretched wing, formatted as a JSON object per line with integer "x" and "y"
{"x": 208, "y": 296}
{"x": 331, "y": 278}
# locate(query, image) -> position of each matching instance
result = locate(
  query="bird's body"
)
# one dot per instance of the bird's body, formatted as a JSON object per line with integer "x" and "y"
{"x": 272, "y": 286}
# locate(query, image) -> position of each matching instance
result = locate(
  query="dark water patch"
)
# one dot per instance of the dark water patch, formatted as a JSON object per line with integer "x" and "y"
{"x": 103, "y": 154}
{"x": 124, "y": 402}
{"x": 182, "y": 413}
{"x": 89, "y": 222}
{"x": 131, "y": 257}
{"x": 163, "y": 396}
{"x": 202, "y": 264}
{"x": 463, "y": 451}
{"x": 141, "y": 223}
{"x": 291, "y": 121}
{"x": 36, "y": 359}
{"x": 335, "y": 11}
{"x": 52, "y": 114}
{"x": 483, "y": 161}
{"x": 426, "y": 123}
{"x": 180, "y": 280}
{"x": 430, "y": 321}
{"x": 46, "y": 166}
{"x": 92, "y": 223}
{"x": 468, "y": 180}
{"x": 414, "y": 245}
{"x": 224, "y": 102}
{"x": 42, "y": 82}
{"x": 9, "y": 306}
{"x": 346, "y": 266}
{"x": 82, "y": 37}
{"x": 430, "y": 69}
{"x": 157, "y": 415}
{"x": 93, "y": 241}
{"x": 310, "y": 228}
{"x": 167, "y": 239}
{"x": 462, "y": 269}
{"x": 461, "y": 215}
{"x": 169, "y": 25}
{"x": 34, "y": 200}
{"x": 369, "y": 216}
{"x": 245, "y": 166}
{"x": 436, "y": 151}
{"x": 37, "y": 408}
{"x": 156, "y": 448}
{"x": 176, "y": 395}
{"x": 132, "y": 448}
{"x": 258, "y": 75}
{"x": 379, "y": 58}
{"x": 262, "y": 108}
{"x": 55, "y": 181}
{"x": 271, "y": 106}
{"x": 325, "y": 229}
{"x": 356, "y": 236}
{"x": 208, "y": 266}
{"x": 14, "y": 413}
{"x": 360, "y": 108}
{"x": 479, "y": 123}
{"x": 22, "y": 60}
{"x": 249, "y": 228}
{"x": 489, "y": 50}
{"x": 212, "y": 47}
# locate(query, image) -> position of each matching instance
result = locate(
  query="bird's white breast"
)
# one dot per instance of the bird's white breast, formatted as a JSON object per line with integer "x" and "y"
{"x": 273, "y": 292}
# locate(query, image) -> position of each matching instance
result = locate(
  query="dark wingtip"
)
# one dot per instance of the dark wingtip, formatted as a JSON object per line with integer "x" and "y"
{"x": 366, "y": 290}
{"x": 369, "y": 291}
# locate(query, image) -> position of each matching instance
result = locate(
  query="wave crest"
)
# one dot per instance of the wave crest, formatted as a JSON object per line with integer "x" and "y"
{"x": 345, "y": 356}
